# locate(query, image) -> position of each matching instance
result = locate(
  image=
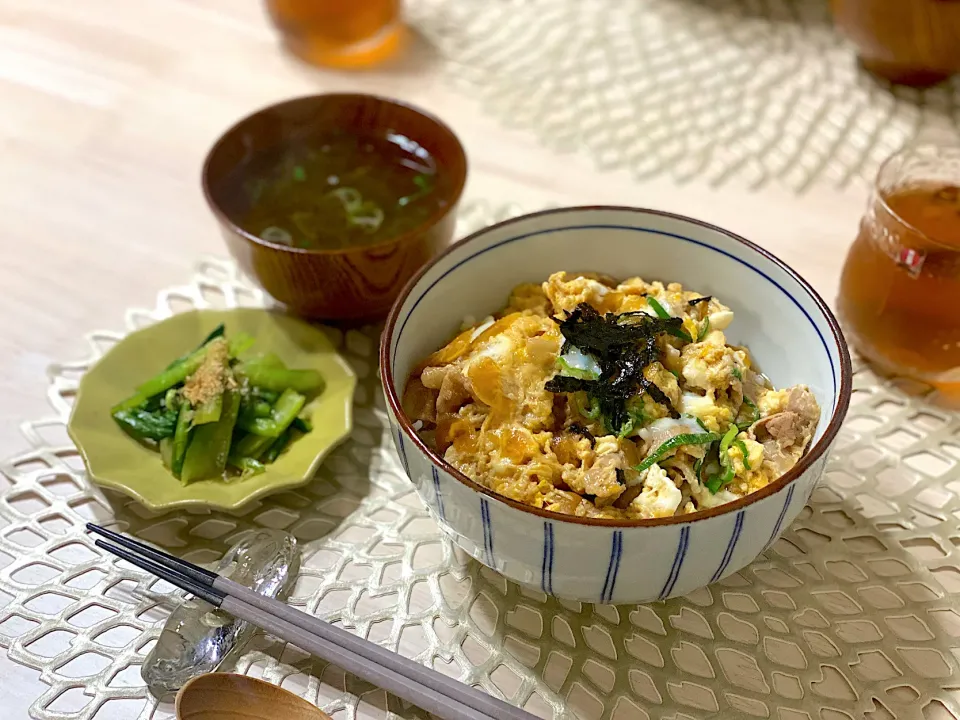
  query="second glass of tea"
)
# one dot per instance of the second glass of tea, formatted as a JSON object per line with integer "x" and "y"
{"x": 340, "y": 33}
{"x": 900, "y": 288}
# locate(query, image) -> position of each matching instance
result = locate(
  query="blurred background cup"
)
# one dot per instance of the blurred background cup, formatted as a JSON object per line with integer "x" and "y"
{"x": 909, "y": 42}
{"x": 340, "y": 33}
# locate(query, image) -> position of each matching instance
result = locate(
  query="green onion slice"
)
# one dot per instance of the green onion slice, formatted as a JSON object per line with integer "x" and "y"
{"x": 718, "y": 481}
{"x": 662, "y": 313}
{"x": 704, "y": 329}
{"x": 578, "y": 364}
{"x": 658, "y": 308}
{"x": 754, "y": 413}
{"x": 743, "y": 449}
{"x": 675, "y": 442}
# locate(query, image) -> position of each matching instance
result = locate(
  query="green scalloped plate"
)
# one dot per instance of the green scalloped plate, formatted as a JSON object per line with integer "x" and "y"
{"x": 116, "y": 461}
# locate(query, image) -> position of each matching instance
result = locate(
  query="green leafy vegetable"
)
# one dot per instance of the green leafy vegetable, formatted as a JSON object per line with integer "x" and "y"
{"x": 209, "y": 411}
{"x": 171, "y": 401}
{"x": 255, "y": 409}
{"x": 195, "y": 411}
{"x": 166, "y": 452}
{"x": 217, "y": 332}
{"x": 267, "y": 396}
{"x": 278, "y": 446}
{"x": 736, "y": 372}
{"x": 284, "y": 413}
{"x": 302, "y": 424}
{"x": 207, "y": 454}
{"x": 280, "y": 379}
{"x": 239, "y": 344}
{"x": 675, "y": 442}
{"x": 165, "y": 380}
{"x": 181, "y": 439}
{"x": 145, "y": 425}
{"x": 247, "y": 466}
{"x": 250, "y": 445}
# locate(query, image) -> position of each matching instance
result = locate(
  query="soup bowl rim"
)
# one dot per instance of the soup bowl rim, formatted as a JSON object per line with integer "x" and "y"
{"x": 452, "y": 198}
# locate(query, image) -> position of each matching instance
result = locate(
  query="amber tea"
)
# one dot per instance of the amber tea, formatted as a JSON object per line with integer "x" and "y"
{"x": 340, "y": 33}
{"x": 337, "y": 191}
{"x": 900, "y": 290}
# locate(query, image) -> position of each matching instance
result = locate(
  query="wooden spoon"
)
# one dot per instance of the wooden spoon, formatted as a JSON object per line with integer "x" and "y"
{"x": 226, "y": 696}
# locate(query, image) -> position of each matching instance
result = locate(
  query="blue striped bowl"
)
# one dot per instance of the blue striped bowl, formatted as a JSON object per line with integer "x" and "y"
{"x": 786, "y": 325}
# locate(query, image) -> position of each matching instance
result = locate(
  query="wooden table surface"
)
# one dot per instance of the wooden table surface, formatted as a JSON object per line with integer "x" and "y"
{"x": 108, "y": 107}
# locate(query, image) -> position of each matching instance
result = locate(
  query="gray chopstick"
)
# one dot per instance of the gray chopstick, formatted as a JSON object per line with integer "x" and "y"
{"x": 308, "y": 625}
{"x": 442, "y": 704}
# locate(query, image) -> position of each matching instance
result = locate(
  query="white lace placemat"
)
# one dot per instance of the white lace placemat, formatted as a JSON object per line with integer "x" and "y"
{"x": 753, "y": 91}
{"x": 856, "y": 610}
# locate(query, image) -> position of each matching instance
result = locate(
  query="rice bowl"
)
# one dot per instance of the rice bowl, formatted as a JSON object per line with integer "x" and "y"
{"x": 786, "y": 326}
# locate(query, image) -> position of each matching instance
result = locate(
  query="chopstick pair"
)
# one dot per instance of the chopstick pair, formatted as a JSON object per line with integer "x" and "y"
{"x": 430, "y": 690}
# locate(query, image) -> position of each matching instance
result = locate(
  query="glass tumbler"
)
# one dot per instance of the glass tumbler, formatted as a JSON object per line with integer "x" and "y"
{"x": 900, "y": 289}
{"x": 340, "y": 33}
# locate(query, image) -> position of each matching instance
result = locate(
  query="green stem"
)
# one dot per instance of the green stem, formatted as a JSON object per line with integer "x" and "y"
{"x": 209, "y": 448}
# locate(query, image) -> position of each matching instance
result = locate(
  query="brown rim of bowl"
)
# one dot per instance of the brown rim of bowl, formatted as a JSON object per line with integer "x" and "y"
{"x": 846, "y": 382}
{"x": 440, "y": 214}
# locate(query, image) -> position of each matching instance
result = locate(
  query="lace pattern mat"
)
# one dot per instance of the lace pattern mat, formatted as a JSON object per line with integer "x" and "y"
{"x": 854, "y": 613}
{"x": 755, "y": 92}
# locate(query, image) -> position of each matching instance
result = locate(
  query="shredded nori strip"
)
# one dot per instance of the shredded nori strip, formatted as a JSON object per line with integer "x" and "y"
{"x": 621, "y": 477}
{"x": 567, "y": 384}
{"x": 654, "y": 391}
{"x": 623, "y": 345}
{"x": 600, "y": 334}
{"x": 697, "y": 301}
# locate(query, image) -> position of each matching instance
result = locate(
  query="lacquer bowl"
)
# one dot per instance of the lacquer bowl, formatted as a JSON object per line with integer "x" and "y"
{"x": 353, "y": 284}
{"x": 786, "y": 325}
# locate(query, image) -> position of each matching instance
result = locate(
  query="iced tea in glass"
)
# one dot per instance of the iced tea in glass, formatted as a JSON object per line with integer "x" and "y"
{"x": 340, "y": 33}
{"x": 900, "y": 288}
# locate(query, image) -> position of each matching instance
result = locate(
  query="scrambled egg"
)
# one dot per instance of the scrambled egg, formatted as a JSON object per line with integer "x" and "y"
{"x": 484, "y": 404}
